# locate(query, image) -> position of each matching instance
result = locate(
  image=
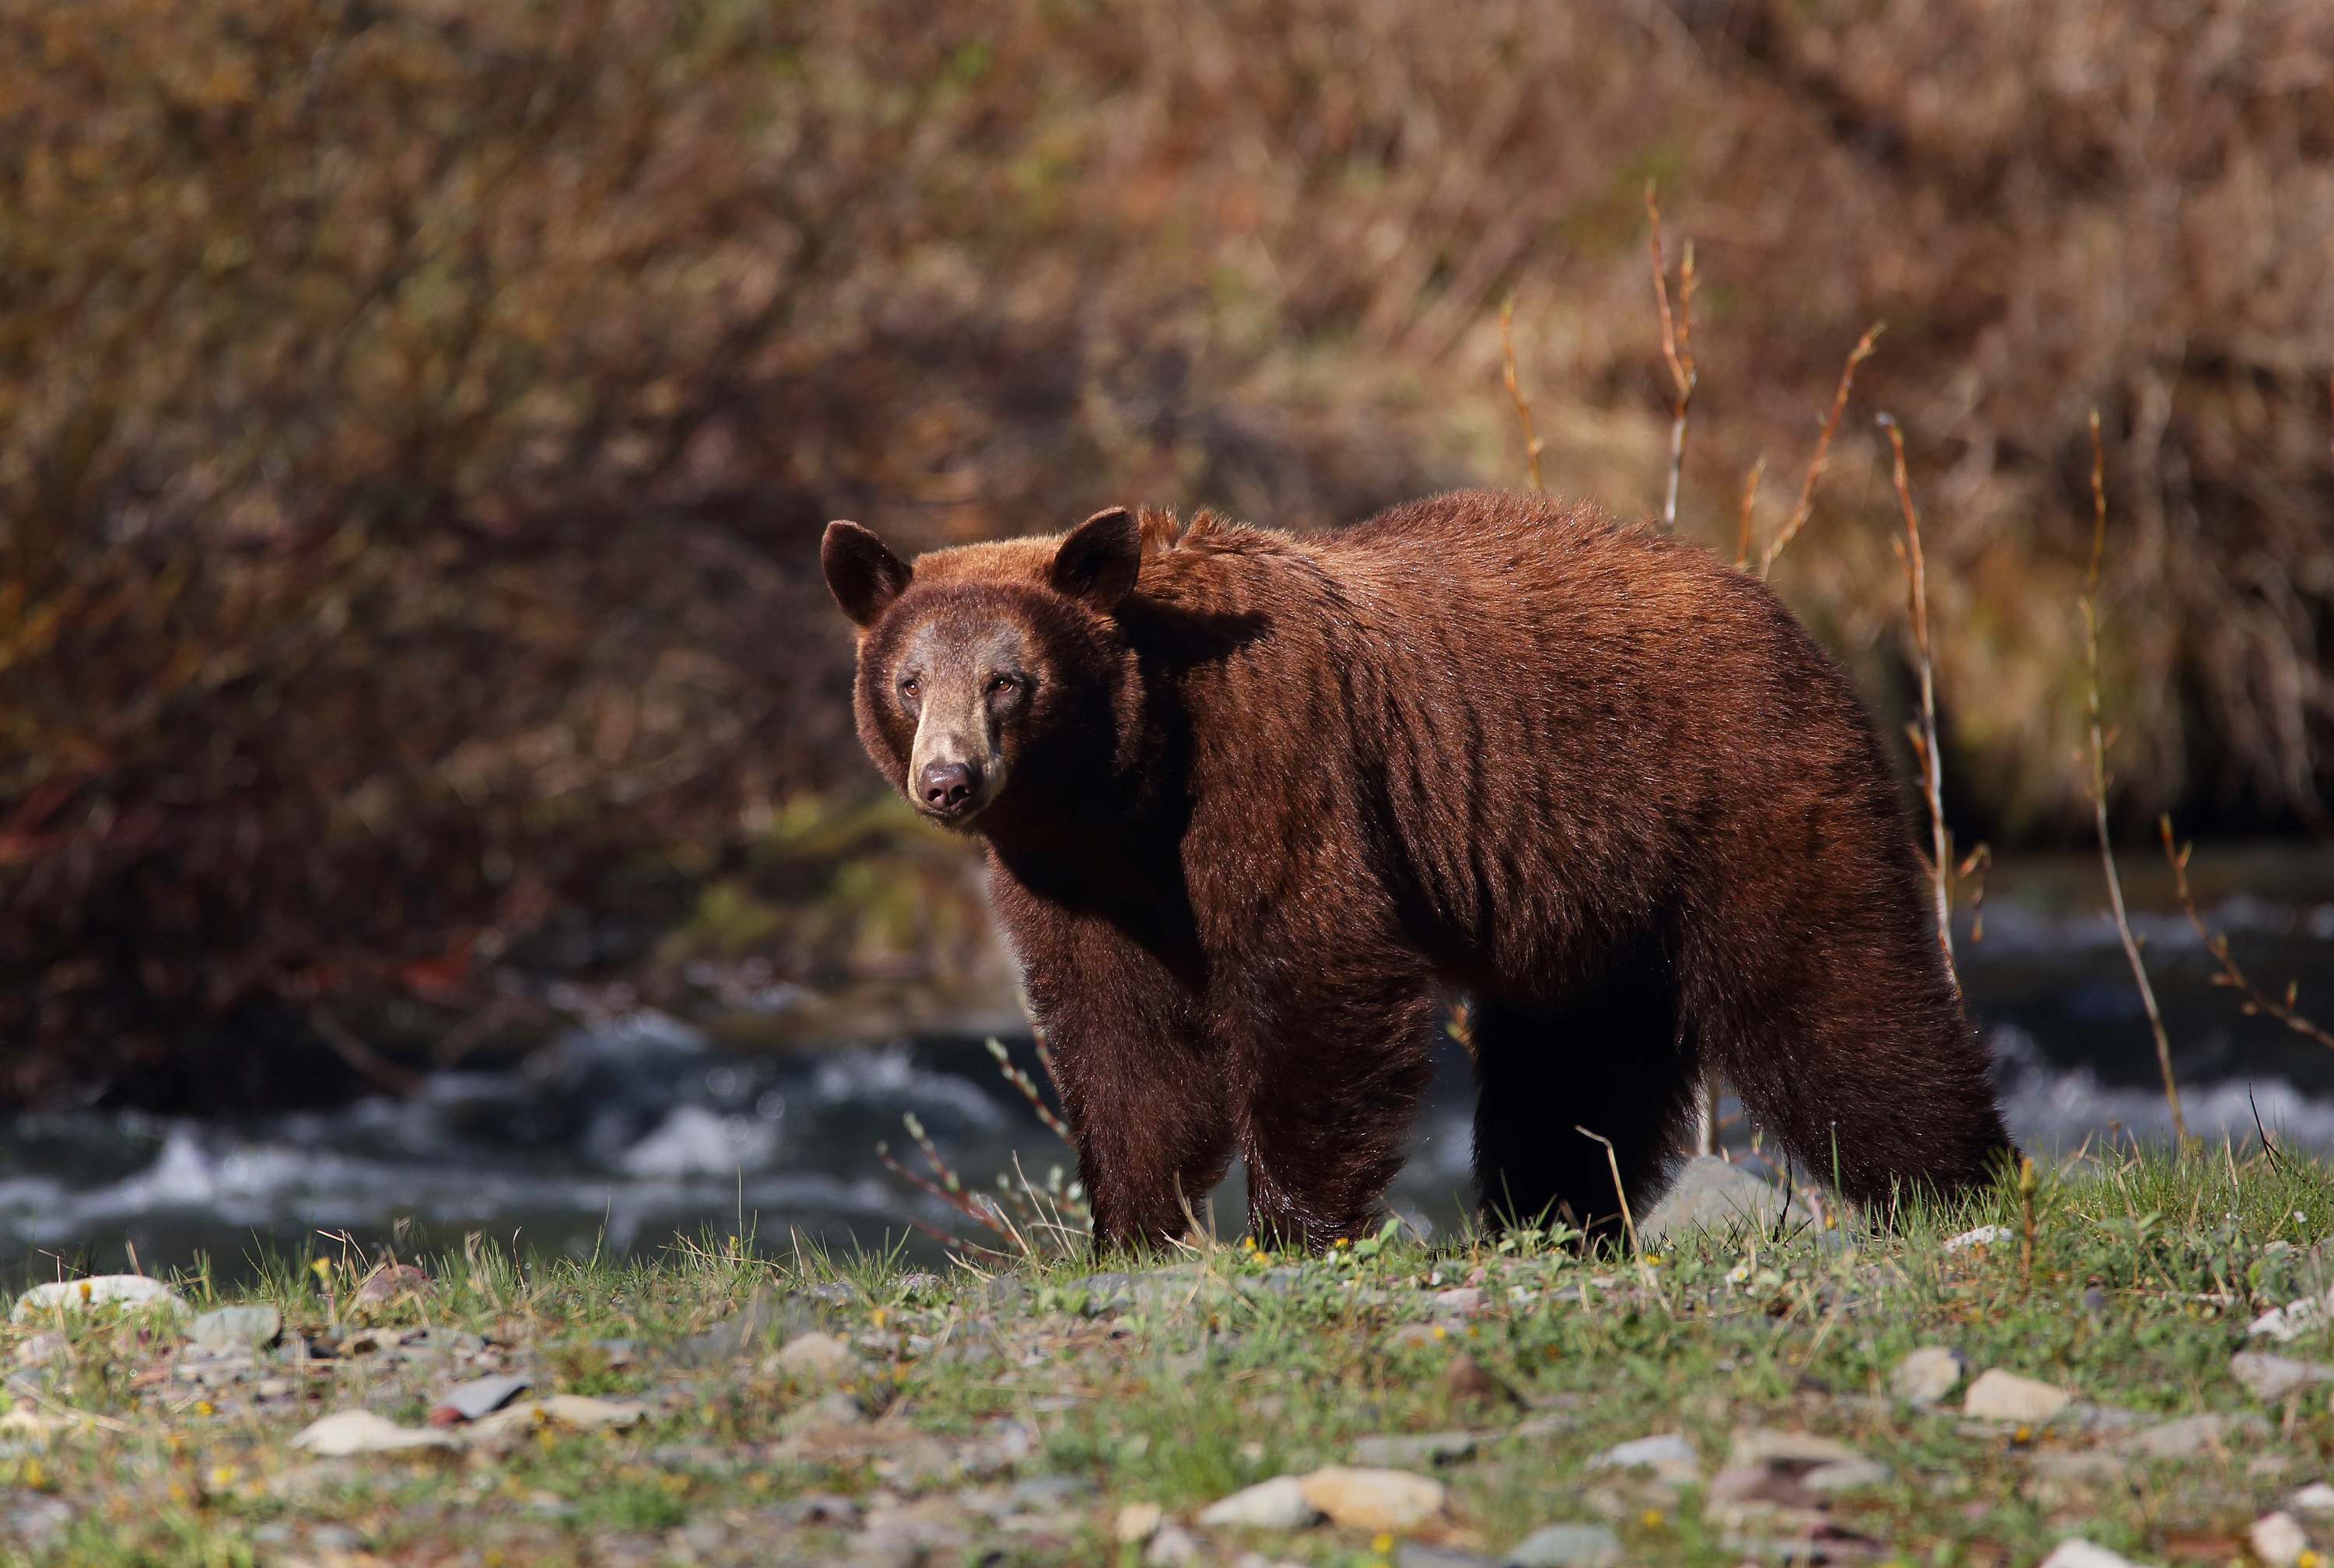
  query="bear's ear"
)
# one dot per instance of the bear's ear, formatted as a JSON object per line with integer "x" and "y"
{"x": 862, "y": 573}
{"x": 1098, "y": 562}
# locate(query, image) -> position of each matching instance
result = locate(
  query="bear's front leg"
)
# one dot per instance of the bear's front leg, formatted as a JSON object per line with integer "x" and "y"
{"x": 1145, "y": 1100}
{"x": 1335, "y": 1077}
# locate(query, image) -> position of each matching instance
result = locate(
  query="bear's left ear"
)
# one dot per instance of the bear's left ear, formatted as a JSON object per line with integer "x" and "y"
{"x": 1097, "y": 563}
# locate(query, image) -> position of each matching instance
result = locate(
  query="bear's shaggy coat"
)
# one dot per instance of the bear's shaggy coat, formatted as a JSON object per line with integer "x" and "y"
{"x": 1265, "y": 799}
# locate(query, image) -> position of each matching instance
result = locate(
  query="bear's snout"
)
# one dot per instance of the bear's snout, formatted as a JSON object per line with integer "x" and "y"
{"x": 947, "y": 787}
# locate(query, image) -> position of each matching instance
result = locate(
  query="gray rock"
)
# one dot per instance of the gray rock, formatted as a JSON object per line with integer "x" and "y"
{"x": 1412, "y": 1450}
{"x": 479, "y": 1397}
{"x": 33, "y": 1520}
{"x": 1411, "y": 1554}
{"x": 1049, "y": 1494}
{"x": 1172, "y": 1546}
{"x": 1279, "y": 1504}
{"x": 1566, "y": 1546}
{"x": 2193, "y": 1434}
{"x": 1715, "y": 1198}
{"x": 762, "y": 1320}
{"x": 1668, "y": 1454}
{"x": 1927, "y": 1375}
{"x": 237, "y": 1328}
{"x": 2270, "y": 1377}
{"x": 1846, "y": 1475}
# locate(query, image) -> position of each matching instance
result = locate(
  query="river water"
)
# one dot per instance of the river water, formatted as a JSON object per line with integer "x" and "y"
{"x": 637, "y": 1126}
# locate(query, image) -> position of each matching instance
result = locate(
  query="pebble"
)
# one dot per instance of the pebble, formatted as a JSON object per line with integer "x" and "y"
{"x": 2192, "y": 1435}
{"x": 1137, "y": 1523}
{"x": 132, "y": 1291}
{"x": 2077, "y": 1552}
{"x": 1669, "y": 1455}
{"x": 1983, "y": 1236}
{"x": 2277, "y": 1539}
{"x": 237, "y": 1328}
{"x": 2317, "y": 1497}
{"x": 1714, "y": 1197}
{"x": 43, "y": 1348}
{"x": 2000, "y": 1396}
{"x": 817, "y": 1357}
{"x": 1411, "y": 1554}
{"x": 1465, "y": 1300}
{"x": 385, "y": 1285}
{"x": 1568, "y": 1546}
{"x": 1373, "y": 1500}
{"x": 1279, "y": 1504}
{"x": 1412, "y": 1450}
{"x": 1172, "y": 1546}
{"x": 2270, "y": 1379}
{"x": 346, "y": 1432}
{"x": 479, "y": 1397}
{"x": 1045, "y": 1494}
{"x": 2294, "y": 1319}
{"x": 1927, "y": 1375}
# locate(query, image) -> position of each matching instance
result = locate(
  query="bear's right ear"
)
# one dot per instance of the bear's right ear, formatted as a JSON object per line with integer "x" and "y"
{"x": 1098, "y": 562}
{"x": 862, "y": 573}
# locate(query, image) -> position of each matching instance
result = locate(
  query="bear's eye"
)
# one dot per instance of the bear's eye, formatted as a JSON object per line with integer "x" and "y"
{"x": 910, "y": 687}
{"x": 999, "y": 685}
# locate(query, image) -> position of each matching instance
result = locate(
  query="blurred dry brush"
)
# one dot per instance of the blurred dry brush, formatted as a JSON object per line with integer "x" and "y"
{"x": 415, "y": 418}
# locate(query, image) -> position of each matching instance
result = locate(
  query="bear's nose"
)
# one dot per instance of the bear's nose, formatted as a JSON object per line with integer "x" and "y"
{"x": 945, "y": 785}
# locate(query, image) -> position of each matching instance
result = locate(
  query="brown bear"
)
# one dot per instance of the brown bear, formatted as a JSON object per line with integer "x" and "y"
{"x": 1255, "y": 804}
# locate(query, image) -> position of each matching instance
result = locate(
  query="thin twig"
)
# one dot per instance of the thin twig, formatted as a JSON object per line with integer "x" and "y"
{"x": 1924, "y": 734}
{"x": 1799, "y": 517}
{"x": 2257, "y": 1001}
{"x": 2099, "y": 781}
{"x": 1677, "y": 346}
{"x": 1515, "y": 389}
{"x": 1981, "y": 861}
{"x": 1021, "y": 1081}
{"x": 1749, "y": 497}
{"x": 1628, "y": 1222}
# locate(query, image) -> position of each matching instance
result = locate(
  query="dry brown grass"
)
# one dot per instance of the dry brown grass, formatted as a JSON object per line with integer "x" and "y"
{"x": 413, "y": 419}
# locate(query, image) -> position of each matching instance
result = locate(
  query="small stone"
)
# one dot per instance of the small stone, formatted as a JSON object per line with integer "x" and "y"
{"x": 1983, "y": 1236}
{"x": 2270, "y": 1379}
{"x": 388, "y": 1284}
{"x": 1373, "y": 1500}
{"x": 237, "y": 1328}
{"x": 1465, "y": 1300}
{"x": 2317, "y": 1497}
{"x": 1137, "y": 1523}
{"x": 2277, "y": 1539}
{"x": 1470, "y": 1384}
{"x": 1172, "y": 1546}
{"x": 1716, "y": 1197}
{"x": 2000, "y": 1396}
{"x": 1411, "y": 1554}
{"x": 346, "y": 1432}
{"x": 2192, "y": 1435}
{"x": 583, "y": 1412}
{"x": 1279, "y": 1504}
{"x": 1927, "y": 1375}
{"x": 816, "y": 1357}
{"x": 479, "y": 1397}
{"x": 43, "y": 1348}
{"x": 134, "y": 1292}
{"x": 2294, "y": 1319}
{"x": 1418, "y": 1336}
{"x": 916, "y": 1284}
{"x": 1568, "y": 1546}
{"x": 2077, "y": 1552}
{"x": 1846, "y": 1475}
{"x": 1050, "y": 1493}
{"x": 1793, "y": 1451}
{"x": 1668, "y": 1454}
{"x": 1412, "y": 1450}
{"x": 2090, "y": 1469}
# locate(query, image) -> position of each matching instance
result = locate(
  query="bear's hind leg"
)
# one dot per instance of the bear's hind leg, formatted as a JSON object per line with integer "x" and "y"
{"x": 1610, "y": 1061}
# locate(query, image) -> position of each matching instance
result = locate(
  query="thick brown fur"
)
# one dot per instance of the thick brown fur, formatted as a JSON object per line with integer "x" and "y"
{"x": 1266, "y": 810}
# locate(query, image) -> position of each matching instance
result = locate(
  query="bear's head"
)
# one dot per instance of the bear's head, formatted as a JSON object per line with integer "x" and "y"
{"x": 990, "y": 666}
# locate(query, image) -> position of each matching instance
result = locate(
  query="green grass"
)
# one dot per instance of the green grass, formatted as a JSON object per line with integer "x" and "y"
{"x": 1219, "y": 1367}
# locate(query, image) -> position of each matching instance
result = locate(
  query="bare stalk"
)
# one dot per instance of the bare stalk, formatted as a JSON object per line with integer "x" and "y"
{"x": 1677, "y": 346}
{"x": 1924, "y": 734}
{"x": 2257, "y": 1002}
{"x": 1749, "y": 499}
{"x": 1799, "y": 517}
{"x": 2099, "y": 781}
{"x": 1515, "y": 390}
